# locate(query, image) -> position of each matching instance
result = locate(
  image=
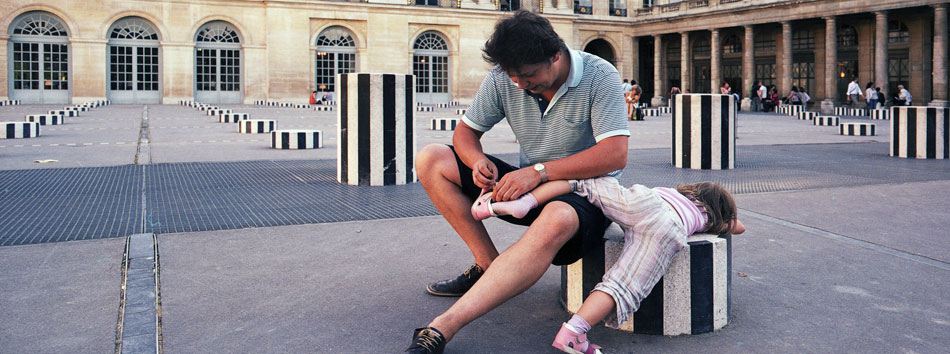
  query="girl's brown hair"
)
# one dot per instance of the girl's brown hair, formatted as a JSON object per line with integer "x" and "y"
{"x": 717, "y": 202}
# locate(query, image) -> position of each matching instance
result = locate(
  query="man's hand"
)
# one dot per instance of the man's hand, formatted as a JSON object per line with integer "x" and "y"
{"x": 515, "y": 184}
{"x": 484, "y": 173}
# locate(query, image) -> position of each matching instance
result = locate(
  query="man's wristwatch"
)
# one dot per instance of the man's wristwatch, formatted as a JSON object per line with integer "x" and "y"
{"x": 540, "y": 168}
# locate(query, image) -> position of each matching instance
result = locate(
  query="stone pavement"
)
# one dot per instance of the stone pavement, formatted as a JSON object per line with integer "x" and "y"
{"x": 261, "y": 251}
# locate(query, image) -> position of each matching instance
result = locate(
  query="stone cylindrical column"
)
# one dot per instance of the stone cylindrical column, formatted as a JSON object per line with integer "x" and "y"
{"x": 19, "y": 130}
{"x": 748, "y": 68}
{"x": 257, "y": 126}
{"x": 686, "y": 62}
{"x": 940, "y": 56}
{"x": 920, "y": 132}
{"x": 880, "y": 54}
{"x": 296, "y": 139}
{"x": 856, "y": 129}
{"x": 375, "y": 129}
{"x": 45, "y": 119}
{"x": 704, "y": 132}
{"x": 831, "y": 65}
{"x": 715, "y": 54}
{"x": 658, "y": 89}
{"x": 785, "y": 85}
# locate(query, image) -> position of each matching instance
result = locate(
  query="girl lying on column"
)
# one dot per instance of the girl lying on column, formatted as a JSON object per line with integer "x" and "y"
{"x": 656, "y": 223}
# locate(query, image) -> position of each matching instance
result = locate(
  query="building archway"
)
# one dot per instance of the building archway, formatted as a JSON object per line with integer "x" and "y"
{"x": 601, "y": 48}
{"x": 133, "y": 62}
{"x": 335, "y": 54}
{"x": 430, "y": 67}
{"x": 218, "y": 64}
{"x": 39, "y": 59}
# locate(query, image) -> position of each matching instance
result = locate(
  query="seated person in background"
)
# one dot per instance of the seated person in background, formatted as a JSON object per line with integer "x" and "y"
{"x": 656, "y": 223}
{"x": 313, "y": 98}
{"x": 903, "y": 97}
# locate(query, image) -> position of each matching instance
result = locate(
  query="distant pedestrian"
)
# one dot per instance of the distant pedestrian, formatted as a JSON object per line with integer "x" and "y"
{"x": 854, "y": 92}
{"x": 756, "y": 97}
{"x": 871, "y": 96}
{"x": 903, "y": 97}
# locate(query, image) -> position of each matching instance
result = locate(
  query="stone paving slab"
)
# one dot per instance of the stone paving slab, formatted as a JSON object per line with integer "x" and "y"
{"x": 60, "y": 297}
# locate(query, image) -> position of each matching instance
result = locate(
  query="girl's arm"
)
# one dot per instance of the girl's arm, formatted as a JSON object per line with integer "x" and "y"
{"x": 549, "y": 190}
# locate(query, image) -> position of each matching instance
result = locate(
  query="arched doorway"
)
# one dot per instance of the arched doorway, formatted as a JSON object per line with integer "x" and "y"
{"x": 430, "y": 66}
{"x": 218, "y": 64}
{"x": 134, "y": 69}
{"x": 601, "y": 48}
{"x": 39, "y": 59}
{"x": 336, "y": 54}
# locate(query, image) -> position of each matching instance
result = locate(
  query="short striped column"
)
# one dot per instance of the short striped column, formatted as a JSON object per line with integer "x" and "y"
{"x": 10, "y": 103}
{"x": 296, "y": 139}
{"x": 424, "y": 108}
{"x": 807, "y": 115}
{"x": 460, "y": 111}
{"x": 857, "y": 112}
{"x": 443, "y": 123}
{"x": 840, "y": 111}
{"x": 442, "y": 105}
{"x": 880, "y": 114}
{"x": 856, "y": 129}
{"x": 286, "y": 104}
{"x": 704, "y": 132}
{"x": 233, "y": 117}
{"x": 693, "y": 296}
{"x": 45, "y": 119}
{"x": 920, "y": 132}
{"x": 322, "y": 108}
{"x": 651, "y": 112}
{"x": 300, "y": 105}
{"x": 217, "y": 112}
{"x": 664, "y": 109}
{"x": 375, "y": 129}
{"x": 19, "y": 130}
{"x": 273, "y": 104}
{"x": 260, "y": 102}
{"x": 454, "y": 103}
{"x": 77, "y": 108}
{"x": 793, "y": 109}
{"x": 205, "y": 107}
{"x": 826, "y": 120}
{"x": 64, "y": 113}
{"x": 257, "y": 126}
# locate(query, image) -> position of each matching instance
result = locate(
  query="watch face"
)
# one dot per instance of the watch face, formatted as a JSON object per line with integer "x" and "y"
{"x": 538, "y": 167}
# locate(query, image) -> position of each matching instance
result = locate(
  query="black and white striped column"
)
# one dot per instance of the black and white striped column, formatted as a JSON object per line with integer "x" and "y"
{"x": 856, "y": 129}
{"x": 64, "y": 113}
{"x": 840, "y": 111}
{"x": 77, "y": 108}
{"x": 45, "y": 119}
{"x": 880, "y": 114}
{"x": 693, "y": 296}
{"x": 807, "y": 115}
{"x": 826, "y": 120}
{"x": 218, "y": 111}
{"x": 704, "y": 132}
{"x": 920, "y": 132}
{"x": 19, "y": 130}
{"x": 424, "y": 109}
{"x": 443, "y": 123}
{"x": 233, "y": 117}
{"x": 460, "y": 111}
{"x": 322, "y": 108}
{"x": 296, "y": 139}
{"x": 375, "y": 129}
{"x": 257, "y": 126}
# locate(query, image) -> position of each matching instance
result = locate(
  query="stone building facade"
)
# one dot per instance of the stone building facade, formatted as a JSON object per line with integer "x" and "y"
{"x": 240, "y": 51}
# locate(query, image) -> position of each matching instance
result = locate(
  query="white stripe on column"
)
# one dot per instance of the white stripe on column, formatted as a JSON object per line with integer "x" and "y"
{"x": 376, "y": 130}
{"x": 352, "y": 136}
{"x": 941, "y": 113}
{"x": 715, "y": 128}
{"x": 678, "y": 133}
{"x": 733, "y": 115}
{"x": 677, "y": 311}
{"x": 902, "y": 130}
{"x": 400, "y": 125}
{"x": 695, "y": 133}
{"x": 720, "y": 283}
{"x": 575, "y": 293}
{"x": 921, "y": 132}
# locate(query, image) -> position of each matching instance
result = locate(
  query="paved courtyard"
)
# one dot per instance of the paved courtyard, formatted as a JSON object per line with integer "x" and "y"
{"x": 262, "y": 251}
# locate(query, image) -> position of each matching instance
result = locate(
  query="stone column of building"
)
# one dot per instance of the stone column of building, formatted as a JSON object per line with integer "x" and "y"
{"x": 785, "y": 85}
{"x": 715, "y": 54}
{"x": 748, "y": 67}
{"x": 686, "y": 63}
{"x": 940, "y": 57}
{"x": 831, "y": 65}
{"x": 880, "y": 54}
{"x": 658, "y": 81}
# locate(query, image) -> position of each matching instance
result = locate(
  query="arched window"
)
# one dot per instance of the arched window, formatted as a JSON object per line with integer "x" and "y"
{"x": 847, "y": 37}
{"x": 336, "y": 54}
{"x": 39, "y": 54}
{"x": 218, "y": 63}
{"x": 731, "y": 45}
{"x": 430, "y": 65}
{"x": 133, "y": 62}
{"x": 701, "y": 47}
{"x": 897, "y": 32}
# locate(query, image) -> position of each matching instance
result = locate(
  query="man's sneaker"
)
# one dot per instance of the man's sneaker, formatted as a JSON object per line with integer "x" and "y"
{"x": 427, "y": 340}
{"x": 457, "y": 286}
{"x": 569, "y": 341}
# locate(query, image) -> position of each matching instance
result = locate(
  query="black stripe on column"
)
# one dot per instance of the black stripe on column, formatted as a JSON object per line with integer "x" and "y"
{"x": 343, "y": 141}
{"x": 701, "y": 286}
{"x": 27, "y": 130}
{"x": 686, "y": 126}
{"x": 285, "y": 140}
{"x": 302, "y": 140}
{"x": 724, "y": 131}
{"x": 260, "y": 127}
{"x": 673, "y": 129}
{"x": 389, "y": 129}
{"x": 873, "y": 127}
{"x": 273, "y": 139}
{"x": 705, "y": 150}
{"x": 593, "y": 269}
{"x": 648, "y": 319}
{"x": 410, "y": 164}
{"x": 896, "y": 117}
{"x": 363, "y": 91}
{"x": 11, "y": 130}
{"x": 931, "y": 133}
{"x": 911, "y": 132}
{"x": 946, "y": 133}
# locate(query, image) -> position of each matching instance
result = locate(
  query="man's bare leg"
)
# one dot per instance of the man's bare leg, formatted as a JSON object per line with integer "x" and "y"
{"x": 439, "y": 175}
{"x": 515, "y": 270}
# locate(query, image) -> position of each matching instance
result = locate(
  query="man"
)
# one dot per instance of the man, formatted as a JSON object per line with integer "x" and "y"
{"x": 903, "y": 98}
{"x": 854, "y": 92}
{"x": 626, "y": 85}
{"x": 566, "y": 109}
{"x": 756, "y": 97}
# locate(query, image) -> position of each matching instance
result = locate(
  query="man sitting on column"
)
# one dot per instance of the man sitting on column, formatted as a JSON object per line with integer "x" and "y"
{"x": 566, "y": 109}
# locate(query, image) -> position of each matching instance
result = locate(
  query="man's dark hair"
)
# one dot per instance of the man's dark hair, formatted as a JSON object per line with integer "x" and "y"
{"x": 523, "y": 39}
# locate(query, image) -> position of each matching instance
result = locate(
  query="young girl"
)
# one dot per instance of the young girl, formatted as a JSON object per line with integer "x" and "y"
{"x": 655, "y": 221}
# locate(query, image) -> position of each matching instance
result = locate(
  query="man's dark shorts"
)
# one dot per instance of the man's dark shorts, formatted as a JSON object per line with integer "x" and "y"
{"x": 590, "y": 232}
